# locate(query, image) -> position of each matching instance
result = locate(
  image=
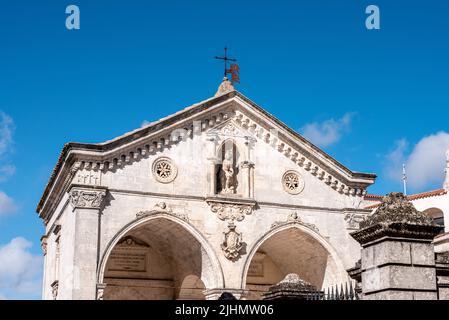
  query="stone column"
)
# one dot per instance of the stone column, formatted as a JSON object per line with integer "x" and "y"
{"x": 87, "y": 205}
{"x": 212, "y": 176}
{"x": 248, "y": 177}
{"x": 398, "y": 259}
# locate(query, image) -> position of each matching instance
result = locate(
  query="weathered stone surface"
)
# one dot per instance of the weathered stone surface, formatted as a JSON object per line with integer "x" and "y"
{"x": 396, "y": 217}
{"x": 122, "y": 184}
{"x": 397, "y": 254}
{"x": 292, "y": 287}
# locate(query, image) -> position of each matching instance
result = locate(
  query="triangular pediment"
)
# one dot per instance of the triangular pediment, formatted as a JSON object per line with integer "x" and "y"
{"x": 229, "y": 114}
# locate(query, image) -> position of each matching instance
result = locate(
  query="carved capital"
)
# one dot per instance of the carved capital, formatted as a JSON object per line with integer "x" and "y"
{"x": 246, "y": 164}
{"x": 88, "y": 198}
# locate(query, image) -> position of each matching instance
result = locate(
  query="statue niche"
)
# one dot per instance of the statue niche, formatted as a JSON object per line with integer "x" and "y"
{"x": 228, "y": 171}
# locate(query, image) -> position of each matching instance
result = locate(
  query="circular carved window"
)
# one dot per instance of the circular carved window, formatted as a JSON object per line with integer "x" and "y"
{"x": 292, "y": 182}
{"x": 164, "y": 170}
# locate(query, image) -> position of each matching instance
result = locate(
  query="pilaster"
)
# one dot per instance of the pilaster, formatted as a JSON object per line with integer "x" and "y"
{"x": 87, "y": 203}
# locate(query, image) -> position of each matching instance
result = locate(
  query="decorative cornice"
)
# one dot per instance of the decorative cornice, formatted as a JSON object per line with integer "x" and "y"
{"x": 396, "y": 230}
{"x": 229, "y": 208}
{"x": 87, "y": 198}
{"x": 157, "y": 136}
{"x": 294, "y": 218}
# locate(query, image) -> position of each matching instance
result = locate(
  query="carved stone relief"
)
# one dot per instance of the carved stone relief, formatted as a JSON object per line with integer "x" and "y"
{"x": 232, "y": 244}
{"x": 229, "y": 211}
{"x": 353, "y": 220}
{"x": 294, "y": 218}
{"x": 85, "y": 198}
{"x": 162, "y": 207}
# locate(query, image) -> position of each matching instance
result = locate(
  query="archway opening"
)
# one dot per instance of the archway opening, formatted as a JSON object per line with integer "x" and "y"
{"x": 157, "y": 260}
{"x": 290, "y": 251}
{"x": 437, "y": 216}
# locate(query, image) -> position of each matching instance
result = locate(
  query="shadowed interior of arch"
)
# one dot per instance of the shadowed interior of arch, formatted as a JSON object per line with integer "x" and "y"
{"x": 289, "y": 251}
{"x": 157, "y": 260}
{"x": 437, "y": 215}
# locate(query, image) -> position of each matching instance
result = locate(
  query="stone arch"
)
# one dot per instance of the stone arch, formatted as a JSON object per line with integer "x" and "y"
{"x": 167, "y": 227}
{"x": 436, "y": 214}
{"x": 287, "y": 247}
{"x": 226, "y": 143}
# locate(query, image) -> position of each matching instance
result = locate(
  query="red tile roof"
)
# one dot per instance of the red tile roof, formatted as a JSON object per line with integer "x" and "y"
{"x": 422, "y": 195}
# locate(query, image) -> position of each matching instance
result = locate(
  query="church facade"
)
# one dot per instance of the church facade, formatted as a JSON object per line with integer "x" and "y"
{"x": 218, "y": 197}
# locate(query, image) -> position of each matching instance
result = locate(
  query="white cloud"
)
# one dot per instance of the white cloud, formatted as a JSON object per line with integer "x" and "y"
{"x": 145, "y": 123}
{"x": 395, "y": 158}
{"x": 7, "y": 204}
{"x": 20, "y": 270}
{"x": 328, "y": 132}
{"x": 425, "y": 164}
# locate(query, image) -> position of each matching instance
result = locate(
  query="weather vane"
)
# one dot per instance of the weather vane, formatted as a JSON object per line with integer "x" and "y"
{"x": 234, "y": 68}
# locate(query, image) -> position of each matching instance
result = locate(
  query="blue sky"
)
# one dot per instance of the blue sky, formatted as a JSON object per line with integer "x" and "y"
{"x": 373, "y": 99}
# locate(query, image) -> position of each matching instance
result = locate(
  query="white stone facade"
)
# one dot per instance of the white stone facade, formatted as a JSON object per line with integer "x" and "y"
{"x": 164, "y": 212}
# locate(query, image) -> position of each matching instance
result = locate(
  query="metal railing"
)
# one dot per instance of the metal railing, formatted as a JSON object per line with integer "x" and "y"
{"x": 337, "y": 292}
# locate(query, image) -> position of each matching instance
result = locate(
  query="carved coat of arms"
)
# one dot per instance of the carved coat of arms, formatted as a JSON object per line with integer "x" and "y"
{"x": 232, "y": 244}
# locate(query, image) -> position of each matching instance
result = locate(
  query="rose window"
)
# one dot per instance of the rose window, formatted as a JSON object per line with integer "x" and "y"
{"x": 164, "y": 170}
{"x": 292, "y": 182}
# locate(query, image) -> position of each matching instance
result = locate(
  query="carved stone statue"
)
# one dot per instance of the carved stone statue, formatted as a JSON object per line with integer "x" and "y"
{"x": 227, "y": 173}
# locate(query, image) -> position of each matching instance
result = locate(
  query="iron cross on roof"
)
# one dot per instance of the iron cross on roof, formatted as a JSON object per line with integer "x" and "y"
{"x": 233, "y": 68}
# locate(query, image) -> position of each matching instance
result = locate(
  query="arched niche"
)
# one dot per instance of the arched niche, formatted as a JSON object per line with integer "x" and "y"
{"x": 228, "y": 175}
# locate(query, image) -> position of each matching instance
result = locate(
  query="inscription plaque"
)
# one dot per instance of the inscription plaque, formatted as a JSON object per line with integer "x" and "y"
{"x": 128, "y": 256}
{"x": 255, "y": 269}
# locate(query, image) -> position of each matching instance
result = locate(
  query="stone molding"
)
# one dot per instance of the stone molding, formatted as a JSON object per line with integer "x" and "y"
{"x": 229, "y": 208}
{"x": 87, "y": 198}
{"x": 294, "y": 218}
{"x": 162, "y": 207}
